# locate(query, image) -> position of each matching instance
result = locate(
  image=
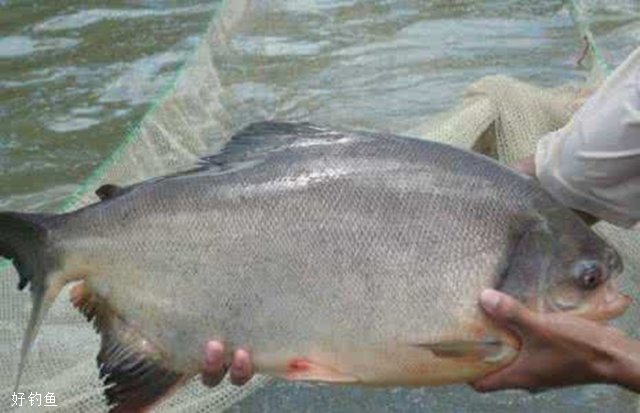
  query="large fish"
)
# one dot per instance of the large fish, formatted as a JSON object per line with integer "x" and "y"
{"x": 344, "y": 257}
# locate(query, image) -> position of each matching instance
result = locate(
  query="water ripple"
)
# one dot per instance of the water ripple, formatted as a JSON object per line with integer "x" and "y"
{"x": 18, "y": 46}
{"x": 85, "y": 18}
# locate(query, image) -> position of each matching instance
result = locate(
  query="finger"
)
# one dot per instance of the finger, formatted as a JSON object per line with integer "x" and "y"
{"x": 504, "y": 379}
{"x": 506, "y": 310}
{"x": 241, "y": 368}
{"x": 526, "y": 165}
{"x": 214, "y": 368}
{"x": 487, "y": 386}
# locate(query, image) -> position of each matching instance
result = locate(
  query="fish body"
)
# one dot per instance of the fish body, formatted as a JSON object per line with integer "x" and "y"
{"x": 333, "y": 256}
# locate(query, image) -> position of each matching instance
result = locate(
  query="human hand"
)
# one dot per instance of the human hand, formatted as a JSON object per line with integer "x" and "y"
{"x": 526, "y": 165}
{"x": 559, "y": 350}
{"x": 215, "y": 367}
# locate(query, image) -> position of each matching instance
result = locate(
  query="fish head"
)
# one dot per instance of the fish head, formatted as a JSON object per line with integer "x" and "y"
{"x": 584, "y": 279}
{"x": 561, "y": 265}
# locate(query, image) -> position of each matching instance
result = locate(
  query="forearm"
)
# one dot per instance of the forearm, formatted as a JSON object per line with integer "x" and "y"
{"x": 592, "y": 163}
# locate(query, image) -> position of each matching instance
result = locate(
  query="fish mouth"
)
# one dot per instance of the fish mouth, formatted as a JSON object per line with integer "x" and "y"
{"x": 605, "y": 304}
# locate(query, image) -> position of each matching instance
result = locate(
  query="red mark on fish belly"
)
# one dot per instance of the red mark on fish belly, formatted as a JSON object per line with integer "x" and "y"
{"x": 298, "y": 365}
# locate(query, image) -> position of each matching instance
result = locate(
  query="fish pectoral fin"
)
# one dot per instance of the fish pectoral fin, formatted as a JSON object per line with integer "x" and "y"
{"x": 486, "y": 350}
{"x": 131, "y": 367}
{"x": 304, "y": 369}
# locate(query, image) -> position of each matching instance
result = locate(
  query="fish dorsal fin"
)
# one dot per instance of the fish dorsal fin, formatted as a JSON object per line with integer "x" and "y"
{"x": 247, "y": 147}
{"x": 131, "y": 366}
{"x": 259, "y": 139}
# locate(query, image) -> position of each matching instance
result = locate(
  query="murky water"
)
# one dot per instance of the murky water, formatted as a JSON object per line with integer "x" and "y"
{"x": 75, "y": 78}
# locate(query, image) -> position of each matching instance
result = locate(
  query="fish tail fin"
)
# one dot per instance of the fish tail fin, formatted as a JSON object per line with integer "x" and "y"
{"x": 25, "y": 240}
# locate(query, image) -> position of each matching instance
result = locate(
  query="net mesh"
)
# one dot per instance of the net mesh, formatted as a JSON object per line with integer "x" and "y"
{"x": 500, "y": 116}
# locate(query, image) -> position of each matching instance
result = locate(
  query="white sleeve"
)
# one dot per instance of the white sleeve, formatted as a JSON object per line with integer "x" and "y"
{"x": 593, "y": 163}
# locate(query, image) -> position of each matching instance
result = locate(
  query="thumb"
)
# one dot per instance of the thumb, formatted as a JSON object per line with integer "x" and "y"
{"x": 505, "y": 310}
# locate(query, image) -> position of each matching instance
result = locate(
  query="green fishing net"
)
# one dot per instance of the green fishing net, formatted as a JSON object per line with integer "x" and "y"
{"x": 338, "y": 63}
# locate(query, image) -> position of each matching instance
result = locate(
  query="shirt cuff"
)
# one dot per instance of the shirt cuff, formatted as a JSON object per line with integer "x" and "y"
{"x": 548, "y": 171}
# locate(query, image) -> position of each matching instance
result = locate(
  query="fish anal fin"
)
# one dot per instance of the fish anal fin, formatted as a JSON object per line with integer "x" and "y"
{"x": 133, "y": 369}
{"x": 304, "y": 369}
{"x": 133, "y": 381}
{"x": 485, "y": 350}
{"x": 85, "y": 301}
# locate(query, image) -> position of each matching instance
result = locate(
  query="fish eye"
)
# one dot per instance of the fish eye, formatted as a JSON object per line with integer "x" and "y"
{"x": 589, "y": 275}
